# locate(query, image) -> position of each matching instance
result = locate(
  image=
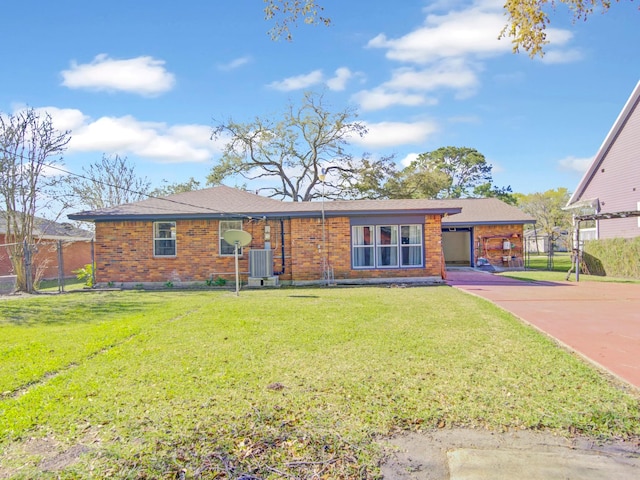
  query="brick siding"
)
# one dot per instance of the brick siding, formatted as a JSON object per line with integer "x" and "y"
{"x": 75, "y": 255}
{"x": 489, "y": 239}
{"x": 124, "y": 251}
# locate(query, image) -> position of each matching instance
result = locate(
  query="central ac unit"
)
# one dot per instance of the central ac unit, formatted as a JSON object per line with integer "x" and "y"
{"x": 260, "y": 263}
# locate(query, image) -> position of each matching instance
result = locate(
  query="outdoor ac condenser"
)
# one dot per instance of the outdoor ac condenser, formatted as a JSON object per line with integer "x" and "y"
{"x": 260, "y": 263}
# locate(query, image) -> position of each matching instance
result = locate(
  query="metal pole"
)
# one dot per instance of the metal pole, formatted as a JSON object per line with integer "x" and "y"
{"x": 60, "y": 268}
{"x": 237, "y": 274}
{"x": 578, "y": 253}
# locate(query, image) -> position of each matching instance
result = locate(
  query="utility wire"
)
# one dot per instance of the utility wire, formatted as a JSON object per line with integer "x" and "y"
{"x": 78, "y": 175}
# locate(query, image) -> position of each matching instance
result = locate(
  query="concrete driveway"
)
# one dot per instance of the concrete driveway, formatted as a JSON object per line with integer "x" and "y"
{"x": 598, "y": 320}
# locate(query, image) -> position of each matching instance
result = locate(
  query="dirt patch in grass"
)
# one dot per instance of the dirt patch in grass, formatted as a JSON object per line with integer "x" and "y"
{"x": 45, "y": 454}
{"x": 423, "y": 456}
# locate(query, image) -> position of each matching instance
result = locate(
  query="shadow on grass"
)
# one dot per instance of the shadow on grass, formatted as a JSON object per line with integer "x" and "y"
{"x": 67, "y": 310}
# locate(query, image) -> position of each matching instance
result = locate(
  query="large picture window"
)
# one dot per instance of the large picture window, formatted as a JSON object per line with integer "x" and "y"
{"x": 386, "y": 246}
{"x": 228, "y": 248}
{"x": 164, "y": 239}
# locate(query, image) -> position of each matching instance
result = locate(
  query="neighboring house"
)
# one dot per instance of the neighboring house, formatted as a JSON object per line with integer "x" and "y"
{"x": 180, "y": 239}
{"x": 538, "y": 242}
{"x": 49, "y": 237}
{"x": 609, "y": 192}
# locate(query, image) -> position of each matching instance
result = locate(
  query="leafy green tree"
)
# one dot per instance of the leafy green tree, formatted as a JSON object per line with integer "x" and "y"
{"x": 547, "y": 209}
{"x": 450, "y": 172}
{"x": 290, "y": 152}
{"x": 488, "y": 190}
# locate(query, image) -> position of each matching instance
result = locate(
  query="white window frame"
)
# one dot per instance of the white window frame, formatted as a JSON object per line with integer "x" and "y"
{"x": 223, "y": 226}
{"x": 395, "y": 246}
{"x": 409, "y": 245}
{"x": 359, "y": 247}
{"x": 390, "y": 249}
{"x": 160, "y": 236}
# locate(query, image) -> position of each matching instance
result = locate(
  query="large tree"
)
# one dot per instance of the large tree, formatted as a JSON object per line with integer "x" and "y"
{"x": 526, "y": 23}
{"x": 286, "y": 157}
{"x": 29, "y": 144}
{"x": 449, "y": 172}
{"x": 547, "y": 209}
{"x": 110, "y": 181}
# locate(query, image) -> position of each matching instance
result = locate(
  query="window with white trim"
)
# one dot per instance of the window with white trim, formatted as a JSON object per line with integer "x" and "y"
{"x": 228, "y": 248}
{"x": 386, "y": 246}
{"x": 164, "y": 239}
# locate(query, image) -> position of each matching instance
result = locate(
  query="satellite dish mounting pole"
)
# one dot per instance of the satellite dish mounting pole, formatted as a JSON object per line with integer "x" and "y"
{"x": 237, "y": 238}
{"x": 237, "y": 273}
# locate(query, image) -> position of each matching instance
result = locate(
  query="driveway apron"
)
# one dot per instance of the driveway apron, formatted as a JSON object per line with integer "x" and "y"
{"x": 598, "y": 320}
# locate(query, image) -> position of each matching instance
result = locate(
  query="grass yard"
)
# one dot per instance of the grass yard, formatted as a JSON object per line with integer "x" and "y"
{"x": 561, "y": 262}
{"x": 287, "y": 383}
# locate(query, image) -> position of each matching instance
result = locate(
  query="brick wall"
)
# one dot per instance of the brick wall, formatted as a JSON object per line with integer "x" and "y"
{"x": 489, "y": 239}
{"x": 124, "y": 251}
{"x": 45, "y": 260}
{"x": 306, "y": 239}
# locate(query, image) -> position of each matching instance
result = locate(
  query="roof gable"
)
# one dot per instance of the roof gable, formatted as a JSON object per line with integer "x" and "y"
{"x": 630, "y": 109}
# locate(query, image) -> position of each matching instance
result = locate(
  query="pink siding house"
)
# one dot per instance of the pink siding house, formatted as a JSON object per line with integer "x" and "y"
{"x": 611, "y": 186}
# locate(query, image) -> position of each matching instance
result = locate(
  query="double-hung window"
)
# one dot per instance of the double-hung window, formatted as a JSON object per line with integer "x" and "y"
{"x": 386, "y": 246}
{"x": 411, "y": 245}
{"x": 164, "y": 239}
{"x": 225, "y": 247}
{"x": 363, "y": 246}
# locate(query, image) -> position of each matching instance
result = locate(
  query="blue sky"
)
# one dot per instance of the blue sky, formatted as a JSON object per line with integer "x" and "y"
{"x": 149, "y": 79}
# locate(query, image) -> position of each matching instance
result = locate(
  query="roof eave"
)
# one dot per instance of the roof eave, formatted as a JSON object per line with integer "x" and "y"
{"x": 606, "y": 145}
{"x": 284, "y": 214}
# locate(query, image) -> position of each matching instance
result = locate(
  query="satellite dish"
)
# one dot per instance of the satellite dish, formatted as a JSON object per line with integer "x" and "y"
{"x": 239, "y": 237}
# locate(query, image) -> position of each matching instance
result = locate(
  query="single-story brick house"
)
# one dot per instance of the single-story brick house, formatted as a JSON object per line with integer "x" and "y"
{"x": 49, "y": 237}
{"x": 180, "y": 239}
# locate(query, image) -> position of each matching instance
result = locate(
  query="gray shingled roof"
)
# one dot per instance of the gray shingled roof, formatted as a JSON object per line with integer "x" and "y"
{"x": 487, "y": 211}
{"x": 223, "y": 201}
{"x": 48, "y": 229}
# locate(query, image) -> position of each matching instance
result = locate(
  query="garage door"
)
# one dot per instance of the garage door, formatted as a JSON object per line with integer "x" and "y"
{"x": 456, "y": 246}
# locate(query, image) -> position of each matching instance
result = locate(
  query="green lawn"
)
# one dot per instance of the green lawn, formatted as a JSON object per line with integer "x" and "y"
{"x": 275, "y": 383}
{"x": 560, "y": 262}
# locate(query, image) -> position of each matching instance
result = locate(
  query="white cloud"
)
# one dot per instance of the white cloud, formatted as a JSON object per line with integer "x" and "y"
{"x": 298, "y": 82}
{"x": 562, "y": 56}
{"x": 233, "y": 64}
{"x": 141, "y": 75}
{"x": 574, "y": 164}
{"x": 339, "y": 81}
{"x": 393, "y": 134}
{"x": 336, "y": 83}
{"x": 127, "y": 135}
{"x": 380, "y": 98}
{"x": 460, "y": 33}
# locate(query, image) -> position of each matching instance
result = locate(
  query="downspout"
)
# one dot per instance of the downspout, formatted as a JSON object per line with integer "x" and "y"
{"x": 282, "y": 247}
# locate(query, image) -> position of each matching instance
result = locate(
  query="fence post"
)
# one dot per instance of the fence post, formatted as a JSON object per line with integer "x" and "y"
{"x": 93, "y": 264}
{"x": 60, "y": 268}
{"x": 27, "y": 267}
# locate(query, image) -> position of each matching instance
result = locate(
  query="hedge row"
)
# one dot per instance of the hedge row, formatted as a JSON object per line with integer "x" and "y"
{"x": 615, "y": 257}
